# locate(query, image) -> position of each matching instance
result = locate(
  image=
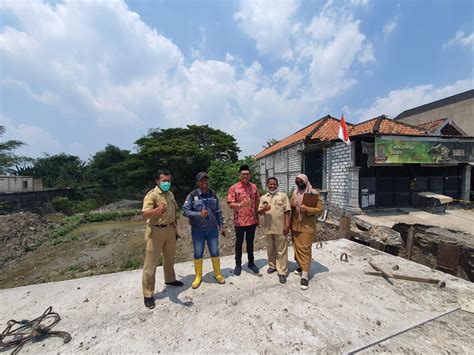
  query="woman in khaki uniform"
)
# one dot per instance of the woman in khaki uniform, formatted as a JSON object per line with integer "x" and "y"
{"x": 303, "y": 226}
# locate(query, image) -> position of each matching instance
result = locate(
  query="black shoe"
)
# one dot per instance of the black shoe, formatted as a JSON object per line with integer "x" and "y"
{"x": 282, "y": 279}
{"x": 174, "y": 283}
{"x": 271, "y": 270}
{"x": 253, "y": 267}
{"x": 149, "y": 302}
{"x": 304, "y": 284}
{"x": 298, "y": 270}
{"x": 237, "y": 270}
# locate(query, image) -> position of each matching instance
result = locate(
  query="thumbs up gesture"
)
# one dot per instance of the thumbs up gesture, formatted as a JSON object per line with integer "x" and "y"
{"x": 204, "y": 213}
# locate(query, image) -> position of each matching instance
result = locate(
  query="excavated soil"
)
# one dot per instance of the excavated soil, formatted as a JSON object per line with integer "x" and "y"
{"x": 28, "y": 256}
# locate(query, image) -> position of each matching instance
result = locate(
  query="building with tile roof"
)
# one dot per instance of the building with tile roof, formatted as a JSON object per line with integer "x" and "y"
{"x": 354, "y": 177}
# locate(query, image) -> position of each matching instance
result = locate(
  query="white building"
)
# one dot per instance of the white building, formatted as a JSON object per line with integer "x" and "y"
{"x": 20, "y": 184}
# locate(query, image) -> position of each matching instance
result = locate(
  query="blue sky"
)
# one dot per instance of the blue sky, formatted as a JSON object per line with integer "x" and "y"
{"x": 76, "y": 75}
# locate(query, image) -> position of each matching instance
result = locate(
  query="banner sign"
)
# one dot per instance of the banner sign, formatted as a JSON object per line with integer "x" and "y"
{"x": 422, "y": 150}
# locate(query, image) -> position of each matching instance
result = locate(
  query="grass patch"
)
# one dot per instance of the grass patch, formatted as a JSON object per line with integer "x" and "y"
{"x": 74, "y": 268}
{"x": 131, "y": 263}
{"x": 72, "y": 222}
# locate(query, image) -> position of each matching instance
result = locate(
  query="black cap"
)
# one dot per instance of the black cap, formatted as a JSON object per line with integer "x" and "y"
{"x": 201, "y": 175}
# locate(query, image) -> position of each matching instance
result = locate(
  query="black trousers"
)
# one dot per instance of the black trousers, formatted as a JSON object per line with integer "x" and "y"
{"x": 249, "y": 233}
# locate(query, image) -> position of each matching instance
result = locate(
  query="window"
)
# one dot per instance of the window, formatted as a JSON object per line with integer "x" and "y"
{"x": 25, "y": 184}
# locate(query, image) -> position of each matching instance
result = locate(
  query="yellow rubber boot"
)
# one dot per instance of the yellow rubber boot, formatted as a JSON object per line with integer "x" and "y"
{"x": 198, "y": 270}
{"x": 216, "y": 266}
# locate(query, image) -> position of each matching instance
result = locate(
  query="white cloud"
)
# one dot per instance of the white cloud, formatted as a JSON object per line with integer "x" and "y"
{"x": 270, "y": 23}
{"x": 105, "y": 76}
{"x": 400, "y": 100}
{"x": 461, "y": 39}
{"x": 389, "y": 27}
{"x": 32, "y": 136}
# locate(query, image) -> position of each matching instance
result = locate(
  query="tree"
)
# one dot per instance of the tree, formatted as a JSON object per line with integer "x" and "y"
{"x": 7, "y": 158}
{"x": 270, "y": 142}
{"x": 184, "y": 151}
{"x": 60, "y": 170}
{"x": 105, "y": 168}
{"x": 223, "y": 174}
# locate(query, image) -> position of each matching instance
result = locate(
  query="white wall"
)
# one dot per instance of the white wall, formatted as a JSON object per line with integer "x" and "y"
{"x": 16, "y": 183}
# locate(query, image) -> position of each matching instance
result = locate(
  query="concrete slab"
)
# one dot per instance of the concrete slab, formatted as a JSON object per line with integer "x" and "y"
{"x": 455, "y": 219}
{"x": 342, "y": 310}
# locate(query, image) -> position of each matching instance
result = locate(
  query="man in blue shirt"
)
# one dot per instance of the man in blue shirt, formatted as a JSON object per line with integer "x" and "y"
{"x": 205, "y": 216}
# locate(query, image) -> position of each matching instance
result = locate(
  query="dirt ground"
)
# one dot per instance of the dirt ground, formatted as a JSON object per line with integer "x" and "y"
{"x": 29, "y": 257}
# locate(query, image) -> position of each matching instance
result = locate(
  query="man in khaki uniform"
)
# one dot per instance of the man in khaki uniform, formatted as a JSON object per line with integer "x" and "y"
{"x": 275, "y": 207}
{"x": 159, "y": 211}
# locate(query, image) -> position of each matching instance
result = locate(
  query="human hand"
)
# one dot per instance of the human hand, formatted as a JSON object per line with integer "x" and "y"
{"x": 161, "y": 209}
{"x": 204, "y": 213}
{"x": 245, "y": 203}
{"x": 303, "y": 208}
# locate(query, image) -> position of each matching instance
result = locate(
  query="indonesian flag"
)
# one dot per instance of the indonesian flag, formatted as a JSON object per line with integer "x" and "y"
{"x": 343, "y": 133}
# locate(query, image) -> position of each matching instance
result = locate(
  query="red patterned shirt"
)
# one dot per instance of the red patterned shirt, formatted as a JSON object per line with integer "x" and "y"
{"x": 244, "y": 216}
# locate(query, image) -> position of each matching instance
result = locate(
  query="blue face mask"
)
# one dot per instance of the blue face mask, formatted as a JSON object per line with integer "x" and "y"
{"x": 165, "y": 185}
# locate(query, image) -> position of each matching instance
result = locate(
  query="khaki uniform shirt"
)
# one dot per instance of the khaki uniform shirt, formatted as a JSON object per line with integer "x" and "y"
{"x": 307, "y": 224}
{"x": 157, "y": 197}
{"x": 274, "y": 220}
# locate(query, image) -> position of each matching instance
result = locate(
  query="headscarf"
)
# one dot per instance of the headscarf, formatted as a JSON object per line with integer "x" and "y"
{"x": 298, "y": 193}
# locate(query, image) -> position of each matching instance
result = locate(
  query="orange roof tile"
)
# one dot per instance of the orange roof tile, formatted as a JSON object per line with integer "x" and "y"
{"x": 433, "y": 126}
{"x": 293, "y": 138}
{"x": 327, "y": 129}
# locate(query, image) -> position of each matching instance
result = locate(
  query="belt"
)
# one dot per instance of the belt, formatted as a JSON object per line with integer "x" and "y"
{"x": 164, "y": 225}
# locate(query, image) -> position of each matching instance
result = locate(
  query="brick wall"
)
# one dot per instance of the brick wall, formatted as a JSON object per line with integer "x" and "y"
{"x": 338, "y": 159}
{"x": 284, "y": 165}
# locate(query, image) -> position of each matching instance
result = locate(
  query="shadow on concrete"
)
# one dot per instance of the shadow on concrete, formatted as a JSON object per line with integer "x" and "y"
{"x": 314, "y": 269}
{"x": 172, "y": 292}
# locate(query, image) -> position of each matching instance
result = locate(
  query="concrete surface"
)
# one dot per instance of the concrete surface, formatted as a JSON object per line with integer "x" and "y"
{"x": 455, "y": 219}
{"x": 343, "y": 310}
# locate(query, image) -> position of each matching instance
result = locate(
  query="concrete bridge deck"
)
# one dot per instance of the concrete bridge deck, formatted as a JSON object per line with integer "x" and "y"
{"x": 343, "y": 310}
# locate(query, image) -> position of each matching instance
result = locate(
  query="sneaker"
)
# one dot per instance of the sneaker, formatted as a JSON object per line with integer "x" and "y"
{"x": 237, "y": 270}
{"x": 149, "y": 302}
{"x": 298, "y": 271}
{"x": 254, "y": 268}
{"x": 304, "y": 284}
{"x": 282, "y": 279}
{"x": 271, "y": 270}
{"x": 174, "y": 283}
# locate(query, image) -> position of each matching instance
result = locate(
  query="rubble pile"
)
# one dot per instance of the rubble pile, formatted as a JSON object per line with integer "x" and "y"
{"x": 21, "y": 232}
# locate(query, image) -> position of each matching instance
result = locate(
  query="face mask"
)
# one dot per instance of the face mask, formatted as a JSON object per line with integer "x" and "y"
{"x": 165, "y": 185}
{"x": 302, "y": 186}
{"x": 272, "y": 192}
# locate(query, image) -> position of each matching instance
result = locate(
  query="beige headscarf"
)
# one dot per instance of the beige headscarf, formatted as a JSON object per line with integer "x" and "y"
{"x": 298, "y": 193}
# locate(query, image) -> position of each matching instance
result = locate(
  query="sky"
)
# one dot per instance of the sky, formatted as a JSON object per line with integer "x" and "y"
{"x": 78, "y": 75}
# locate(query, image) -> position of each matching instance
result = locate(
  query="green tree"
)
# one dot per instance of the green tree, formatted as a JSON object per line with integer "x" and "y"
{"x": 105, "y": 167}
{"x": 269, "y": 143}
{"x": 184, "y": 151}
{"x": 60, "y": 170}
{"x": 223, "y": 174}
{"x": 7, "y": 157}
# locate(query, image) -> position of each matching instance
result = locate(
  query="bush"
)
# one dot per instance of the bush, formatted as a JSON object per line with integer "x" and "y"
{"x": 63, "y": 204}
{"x": 223, "y": 174}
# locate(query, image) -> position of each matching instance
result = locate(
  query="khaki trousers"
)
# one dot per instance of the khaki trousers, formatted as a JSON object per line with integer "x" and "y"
{"x": 277, "y": 251}
{"x": 302, "y": 244}
{"x": 159, "y": 241}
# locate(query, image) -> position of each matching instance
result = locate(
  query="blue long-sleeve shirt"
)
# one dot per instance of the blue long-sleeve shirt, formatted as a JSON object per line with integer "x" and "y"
{"x": 194, "y": 203}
